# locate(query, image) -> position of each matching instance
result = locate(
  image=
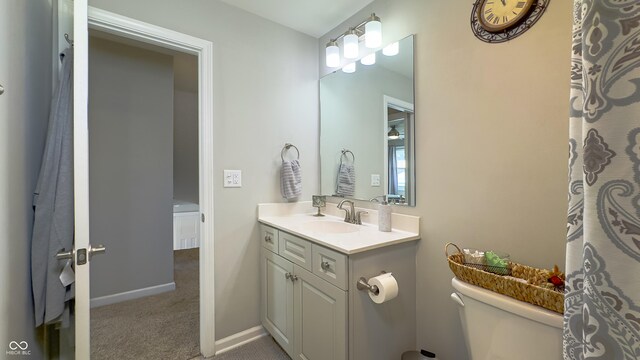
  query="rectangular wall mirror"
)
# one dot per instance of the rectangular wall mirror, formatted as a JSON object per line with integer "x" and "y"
{"x": 367, "y": 128}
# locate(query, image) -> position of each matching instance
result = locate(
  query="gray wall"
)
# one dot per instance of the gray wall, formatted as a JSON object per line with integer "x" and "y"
{"x": 491, "y": 164}
{"x": 352, "y": 117}
{"x": 265, "y": 94}
{"x": 185, "y": 128}
{"x": 25, "y": 73}
{"x": 130, "y": 166}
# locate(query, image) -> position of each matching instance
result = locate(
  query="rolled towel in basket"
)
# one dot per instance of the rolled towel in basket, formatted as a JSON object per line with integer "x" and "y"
{"x": 290, "y": 179}
{"x": 346, "y": 182}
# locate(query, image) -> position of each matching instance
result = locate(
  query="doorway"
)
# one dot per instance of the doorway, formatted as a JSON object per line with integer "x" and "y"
{"x": 144, "y": 291}
{"x": 118, "y": 25}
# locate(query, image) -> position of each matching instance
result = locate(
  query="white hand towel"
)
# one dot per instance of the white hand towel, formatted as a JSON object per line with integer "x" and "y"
{"x": 346, "y": 182}
{"x": 290, "y": 179}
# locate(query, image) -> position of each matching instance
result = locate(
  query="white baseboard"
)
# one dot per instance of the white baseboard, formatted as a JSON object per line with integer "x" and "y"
{"x": 133, "y": 294}
{"x": 239, "y": 339}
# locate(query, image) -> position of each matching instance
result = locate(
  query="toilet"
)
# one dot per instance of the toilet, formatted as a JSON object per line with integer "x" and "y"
{"x": 498, "y": 327}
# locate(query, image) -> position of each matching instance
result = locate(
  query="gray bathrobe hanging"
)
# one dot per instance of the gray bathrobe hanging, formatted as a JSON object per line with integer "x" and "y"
{"x": 53, "y": 204}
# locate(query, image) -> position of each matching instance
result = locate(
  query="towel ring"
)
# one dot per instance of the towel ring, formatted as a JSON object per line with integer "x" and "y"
{"x": 286, "y": 147}
{"x": 345, "y": 152}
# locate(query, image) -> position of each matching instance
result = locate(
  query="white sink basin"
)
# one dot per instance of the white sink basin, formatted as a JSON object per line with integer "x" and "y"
{"x": 329, "y": 227}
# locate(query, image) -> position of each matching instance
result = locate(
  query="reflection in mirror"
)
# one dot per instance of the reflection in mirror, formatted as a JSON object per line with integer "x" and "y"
{"x": 399, "y": 123}
{"x": 367, "y": 128}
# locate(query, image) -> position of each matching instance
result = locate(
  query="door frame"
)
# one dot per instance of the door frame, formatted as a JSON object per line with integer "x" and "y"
{"x": 390, "y": 101}
{"x": 129, "y": 28}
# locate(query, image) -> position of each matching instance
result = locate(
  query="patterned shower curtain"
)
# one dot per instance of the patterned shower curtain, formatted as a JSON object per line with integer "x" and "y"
{"x": 602, "y": 296}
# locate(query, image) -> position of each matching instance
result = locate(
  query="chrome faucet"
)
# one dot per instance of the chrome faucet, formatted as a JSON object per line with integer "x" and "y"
{"x": 351, "y": 216}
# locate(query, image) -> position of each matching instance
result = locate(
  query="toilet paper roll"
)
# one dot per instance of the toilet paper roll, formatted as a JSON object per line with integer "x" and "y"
{"x": 387, "y": 287}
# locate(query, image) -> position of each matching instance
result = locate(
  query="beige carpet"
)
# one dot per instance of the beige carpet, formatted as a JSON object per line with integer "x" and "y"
{"x": 164, "y": 326}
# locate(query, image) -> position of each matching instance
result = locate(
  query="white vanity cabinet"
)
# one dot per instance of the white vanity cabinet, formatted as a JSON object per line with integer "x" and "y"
{"x": 310, "y": 303}
{"x": 305, "y": 314}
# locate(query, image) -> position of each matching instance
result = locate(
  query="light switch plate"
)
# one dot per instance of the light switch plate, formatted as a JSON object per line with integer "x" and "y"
{"x": 375, "y": 179}
{"x": 233, "y": 178}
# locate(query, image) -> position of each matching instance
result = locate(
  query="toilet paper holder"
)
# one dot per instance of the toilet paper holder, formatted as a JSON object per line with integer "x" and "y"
{"x": 363, "y": 284}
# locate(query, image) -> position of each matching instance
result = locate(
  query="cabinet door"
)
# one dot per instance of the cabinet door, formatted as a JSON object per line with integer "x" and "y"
{"x": 277, "y": 298}
{"x": 320, "y": 319}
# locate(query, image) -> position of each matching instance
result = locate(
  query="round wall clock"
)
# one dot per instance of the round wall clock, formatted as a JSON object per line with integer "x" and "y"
{"x": 496, "y": 21}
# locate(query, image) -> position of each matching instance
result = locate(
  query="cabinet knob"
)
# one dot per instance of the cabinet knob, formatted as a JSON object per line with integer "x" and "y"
{"x": 325, "y": 265}
{"x": 294, "y": 277}
{"x": 267, "y": 238}
{"x": 287, "y": 276}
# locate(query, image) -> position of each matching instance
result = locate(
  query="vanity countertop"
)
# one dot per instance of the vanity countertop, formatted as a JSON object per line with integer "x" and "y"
{"x": 328, "y": 231}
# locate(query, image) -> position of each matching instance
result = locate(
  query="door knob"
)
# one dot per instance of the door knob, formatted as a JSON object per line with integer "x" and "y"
{"x": 1, "y": 89}
{"x": 96, "y": 250}
{"x": 63, "y": 255}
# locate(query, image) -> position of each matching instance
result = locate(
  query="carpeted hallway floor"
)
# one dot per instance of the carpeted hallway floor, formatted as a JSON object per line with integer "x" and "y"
{"x": 164, "y": 326}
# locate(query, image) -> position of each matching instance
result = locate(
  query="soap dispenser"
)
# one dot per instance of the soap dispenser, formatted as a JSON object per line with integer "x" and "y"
{"x": 384, "y": 214}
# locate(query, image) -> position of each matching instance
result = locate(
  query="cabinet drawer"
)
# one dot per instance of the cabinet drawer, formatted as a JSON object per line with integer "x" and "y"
{"x": 330, "y": 266}
{"x": 269, "y": 238}
{"x": 295, "y": 249}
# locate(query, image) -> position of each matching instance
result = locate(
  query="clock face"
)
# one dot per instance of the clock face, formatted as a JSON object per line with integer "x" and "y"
{"x": 498, "y": 15}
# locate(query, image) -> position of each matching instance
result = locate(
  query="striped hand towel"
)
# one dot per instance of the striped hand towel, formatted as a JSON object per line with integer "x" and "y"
{"x": 346, "y": 182}
{"x": 290, "y": 179}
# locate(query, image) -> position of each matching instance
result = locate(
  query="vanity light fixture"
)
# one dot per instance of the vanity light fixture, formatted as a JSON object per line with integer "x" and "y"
{"x": 369, "y": 59}
{"x": 373, "y": 32}
{"x": 333, "y": 54}
{"x": 392, "y": 49}
{"x": 349, "y": 68}
{"x": 351, "y": 44}
{"x": 370, "y": 29}
{"x": 393, "y": 133}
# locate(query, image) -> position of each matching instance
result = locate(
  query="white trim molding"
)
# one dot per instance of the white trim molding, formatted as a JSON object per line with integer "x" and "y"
{"x": 133, "y": 294}
{"x": 239, "y": 339}
{"x": 136, "y": 30}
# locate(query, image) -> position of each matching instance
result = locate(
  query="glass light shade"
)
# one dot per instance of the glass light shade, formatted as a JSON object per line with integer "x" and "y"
{"x": 351, "y": 45}
{"x": 393, "y": 133}
{"x": 333, "y": 54}
{"x": 349, "y": 68}
{"x": 369, "y": 59}
{"x": 373, "y": 34}
{"x": 392, "y": 49}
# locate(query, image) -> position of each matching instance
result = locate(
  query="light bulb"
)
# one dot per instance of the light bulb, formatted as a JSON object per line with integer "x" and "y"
{"x": 351, "y": 45}
{"x": 349, "y": 68}
{"x": 392, "y": 49}
{"x": 333, "y": 54}
{"x": 373, "y": 32}
{"x": 369, "y": 59}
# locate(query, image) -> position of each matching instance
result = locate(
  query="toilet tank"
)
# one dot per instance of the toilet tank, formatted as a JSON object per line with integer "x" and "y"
{"x": 498, "y": 327}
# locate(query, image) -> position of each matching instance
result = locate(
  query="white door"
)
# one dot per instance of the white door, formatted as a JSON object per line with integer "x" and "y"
{"x": 82, "y": 246}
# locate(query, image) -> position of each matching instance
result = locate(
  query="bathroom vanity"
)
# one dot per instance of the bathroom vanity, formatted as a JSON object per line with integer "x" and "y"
{"x": 309, "y": 270}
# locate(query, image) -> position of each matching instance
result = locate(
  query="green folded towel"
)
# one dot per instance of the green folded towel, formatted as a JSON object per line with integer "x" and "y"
{"x": 493, "y": 259}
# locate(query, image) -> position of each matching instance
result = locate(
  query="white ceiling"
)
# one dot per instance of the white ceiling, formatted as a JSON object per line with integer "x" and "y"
{"x": 312, "y": 17}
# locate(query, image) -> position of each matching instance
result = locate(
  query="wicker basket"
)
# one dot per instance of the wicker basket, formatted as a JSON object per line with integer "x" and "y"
{"x": 547, "y": 298}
